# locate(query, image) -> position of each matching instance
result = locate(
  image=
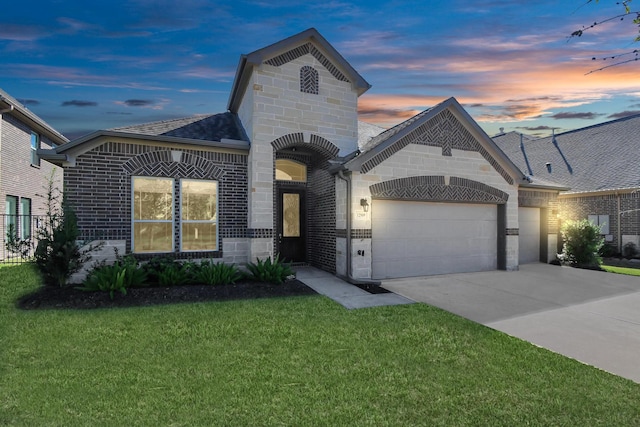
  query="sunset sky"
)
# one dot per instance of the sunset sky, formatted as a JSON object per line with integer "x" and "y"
{"x": 89, "y": 65}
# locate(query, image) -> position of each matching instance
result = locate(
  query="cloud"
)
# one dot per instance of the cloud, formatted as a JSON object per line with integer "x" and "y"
{"x": 21, "y": 32}
{"x": 118, "y": 113}
{"x": 623, "y": 114}
{"x": 138, "y": 102}
{"x": 29, "y": 102}
{"x": 577, "y": 115}
{"x": 78, "y": 103}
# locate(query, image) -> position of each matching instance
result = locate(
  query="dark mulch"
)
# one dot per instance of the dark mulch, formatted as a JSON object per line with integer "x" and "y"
{"x": 50, "y": 297}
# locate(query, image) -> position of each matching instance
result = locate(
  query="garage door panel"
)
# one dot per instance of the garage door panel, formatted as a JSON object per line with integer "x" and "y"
{"x": 418, "y": 238}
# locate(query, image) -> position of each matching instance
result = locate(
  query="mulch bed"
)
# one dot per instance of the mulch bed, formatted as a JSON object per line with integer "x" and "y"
{"x": 51, "y": 297}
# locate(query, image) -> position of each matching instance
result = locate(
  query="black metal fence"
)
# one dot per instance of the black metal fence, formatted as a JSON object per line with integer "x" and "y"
{"x": 19, "y": 237}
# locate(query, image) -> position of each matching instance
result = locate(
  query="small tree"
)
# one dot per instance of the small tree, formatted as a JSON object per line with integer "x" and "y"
{"x": 57, "y": 254}
{"x": 582, "y": 243}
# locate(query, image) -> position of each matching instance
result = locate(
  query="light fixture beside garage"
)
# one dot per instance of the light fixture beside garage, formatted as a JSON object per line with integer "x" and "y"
{"x": 365, "y": 205}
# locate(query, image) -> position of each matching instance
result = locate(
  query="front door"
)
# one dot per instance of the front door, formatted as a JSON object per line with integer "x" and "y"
{"x": 291, "y": 243}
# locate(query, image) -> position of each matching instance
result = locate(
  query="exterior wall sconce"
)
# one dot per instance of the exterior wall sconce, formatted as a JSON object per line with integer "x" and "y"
{"x": 364, "y": 204}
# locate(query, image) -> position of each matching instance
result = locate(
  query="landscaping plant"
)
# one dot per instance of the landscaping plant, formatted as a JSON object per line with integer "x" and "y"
{"x": 275, "y": 271}
{"x": 215, "y": 274}
{"x": 175, "y": 275}
{"x": 582, "y": 243}
{"x": 120, "y": 276}
{"x": 57, "y": 253}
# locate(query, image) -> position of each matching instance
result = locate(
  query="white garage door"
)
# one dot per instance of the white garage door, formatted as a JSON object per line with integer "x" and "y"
{"x": 529, "y": 240}
{"x": 419, "y": 238}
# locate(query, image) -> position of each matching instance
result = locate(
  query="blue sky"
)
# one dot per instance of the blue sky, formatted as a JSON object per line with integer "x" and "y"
{"x": 89, "y": 65}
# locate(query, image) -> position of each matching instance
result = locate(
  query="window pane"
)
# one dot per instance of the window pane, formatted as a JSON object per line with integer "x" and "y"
{"x": 25, "y": 217}
{"x": 288, "y": 170}
{"x": 291, "y": 217}
{"x": 199, "y": 236}
{"x": 11, "y": 218}
{"x": 35, "y": 144}
{"x": 199, "y": 199}
{"x": 153, "y": 236}
{"x": 152, "y": 198}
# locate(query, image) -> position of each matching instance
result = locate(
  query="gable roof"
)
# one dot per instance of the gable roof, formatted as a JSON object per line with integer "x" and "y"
{"x": 601, "y": 157}
{"x": 308, "y": 41}
{"x": 207, "y": 127}
{"x": 12, "y": 106}
{"x": 390, "y": 141}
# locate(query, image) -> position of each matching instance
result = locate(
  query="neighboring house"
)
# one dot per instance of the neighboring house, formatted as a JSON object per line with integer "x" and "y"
{"x": 23, "y": 175}
{"x": 289, "y": 170}
{"x": 598, "y": 165}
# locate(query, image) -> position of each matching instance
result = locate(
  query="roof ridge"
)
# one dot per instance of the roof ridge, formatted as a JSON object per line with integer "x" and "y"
{"x": 621, "y": 119}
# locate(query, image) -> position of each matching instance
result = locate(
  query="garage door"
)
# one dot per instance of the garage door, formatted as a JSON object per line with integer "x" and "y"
{"x": 529, "y": 240}
{"x": 419, "y": 238}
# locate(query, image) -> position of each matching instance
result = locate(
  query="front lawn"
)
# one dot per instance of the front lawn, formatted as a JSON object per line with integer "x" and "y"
{"x": 285, "y": 361}
{"x": 621, "y": 270}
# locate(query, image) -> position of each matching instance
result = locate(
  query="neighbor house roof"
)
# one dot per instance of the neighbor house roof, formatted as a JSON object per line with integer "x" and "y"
{"x": 297, "y": 42}
{"x": 596, "y": 158}
{"x": 367, "y": 131}
{"x": 10, "y": 105}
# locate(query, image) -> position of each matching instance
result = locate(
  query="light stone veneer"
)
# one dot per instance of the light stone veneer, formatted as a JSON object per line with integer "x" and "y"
{"x": 423, "y": 160}
{"x": 273, "y": 106}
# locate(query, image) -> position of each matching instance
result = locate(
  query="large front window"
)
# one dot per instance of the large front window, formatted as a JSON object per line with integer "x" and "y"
{"x": 152, "y": 214}
{"x": 155, "y": 224}
{"x": 198, "y": 211}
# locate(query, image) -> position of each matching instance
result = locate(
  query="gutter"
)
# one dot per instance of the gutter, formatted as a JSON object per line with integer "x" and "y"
{"x": 6, "y": 110}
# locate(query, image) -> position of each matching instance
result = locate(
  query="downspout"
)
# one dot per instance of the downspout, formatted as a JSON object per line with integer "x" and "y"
{"x": 348, "y": 182}
{"x": 618, "y": 226}
{"x": 350, "y": 277}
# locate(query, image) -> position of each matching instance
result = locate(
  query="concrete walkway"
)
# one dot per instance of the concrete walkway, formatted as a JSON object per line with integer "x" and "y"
{"x": 344, "y": 293}
{"x": 587, "y": 315}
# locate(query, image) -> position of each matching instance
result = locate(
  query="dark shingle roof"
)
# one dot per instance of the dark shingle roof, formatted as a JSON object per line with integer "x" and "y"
{"x": 211, "y": 127}
{"x": 596, "y": 158}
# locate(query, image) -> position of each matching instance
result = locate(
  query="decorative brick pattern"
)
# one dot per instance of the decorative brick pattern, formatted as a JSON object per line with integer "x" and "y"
{"x": 444, "y": 131}
{"x": 512, "y": 231}
{"x": 341, "y": 233}
{"x": 316, "y": 143}
{"x": 303, "y": 50}
{"x": 434, "y": 189}
{"x": 361, "y": 233}
{"x": 259, "y": 233}
{"x": 309, "y": 80}
{"x": 99, "y": 187}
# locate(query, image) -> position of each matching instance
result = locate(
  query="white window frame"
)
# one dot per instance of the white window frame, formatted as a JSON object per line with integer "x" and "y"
{"x": 25, "y": 218}
{"x": 214, "y": 221}
{"x": 35, "y": 159}
{"x": 173, "y": 214}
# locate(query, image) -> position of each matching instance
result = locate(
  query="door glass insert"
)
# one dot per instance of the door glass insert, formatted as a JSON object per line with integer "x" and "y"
{"x": 291, "y": 217}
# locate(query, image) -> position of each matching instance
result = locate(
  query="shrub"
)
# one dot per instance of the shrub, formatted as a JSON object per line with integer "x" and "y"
{"x": 175, "y": 274}
{"x": 157, "y": 265}
{"x": 629, "y": 250}
{"x": 582, "y": 242}
{"x": 15, "y": 245}
{"x": 608, "y": 251}
{"x": 214, "y": 274}
{"x": 57, "y": 253}
{"x": 123, "y": 274}
{"x": 268, "y": 271}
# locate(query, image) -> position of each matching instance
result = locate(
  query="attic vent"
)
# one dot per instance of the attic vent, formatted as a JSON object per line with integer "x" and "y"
{"x": 308, "y": 80}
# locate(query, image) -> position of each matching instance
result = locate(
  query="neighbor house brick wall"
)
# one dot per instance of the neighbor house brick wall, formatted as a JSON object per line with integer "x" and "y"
{"x": 17, "y": 176}
{"x": 99, "y": 186}
{"x": 573, "y": 207}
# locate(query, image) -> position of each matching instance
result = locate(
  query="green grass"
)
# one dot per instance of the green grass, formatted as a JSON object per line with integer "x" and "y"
{"x": 292, "y": 361}
{"x": 621, "y": 270}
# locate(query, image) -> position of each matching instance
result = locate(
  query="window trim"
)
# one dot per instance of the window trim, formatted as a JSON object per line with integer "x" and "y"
{"x": 181, "y": 221}
{"x": 35, "y": 159}
{"x": 172, "y": 221}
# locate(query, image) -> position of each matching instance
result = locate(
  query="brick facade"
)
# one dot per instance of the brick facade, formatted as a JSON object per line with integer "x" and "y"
{"x": 100, "y": 188}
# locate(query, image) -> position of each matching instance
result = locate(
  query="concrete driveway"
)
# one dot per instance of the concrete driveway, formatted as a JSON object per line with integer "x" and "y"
{"x": 591, "y": 316}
